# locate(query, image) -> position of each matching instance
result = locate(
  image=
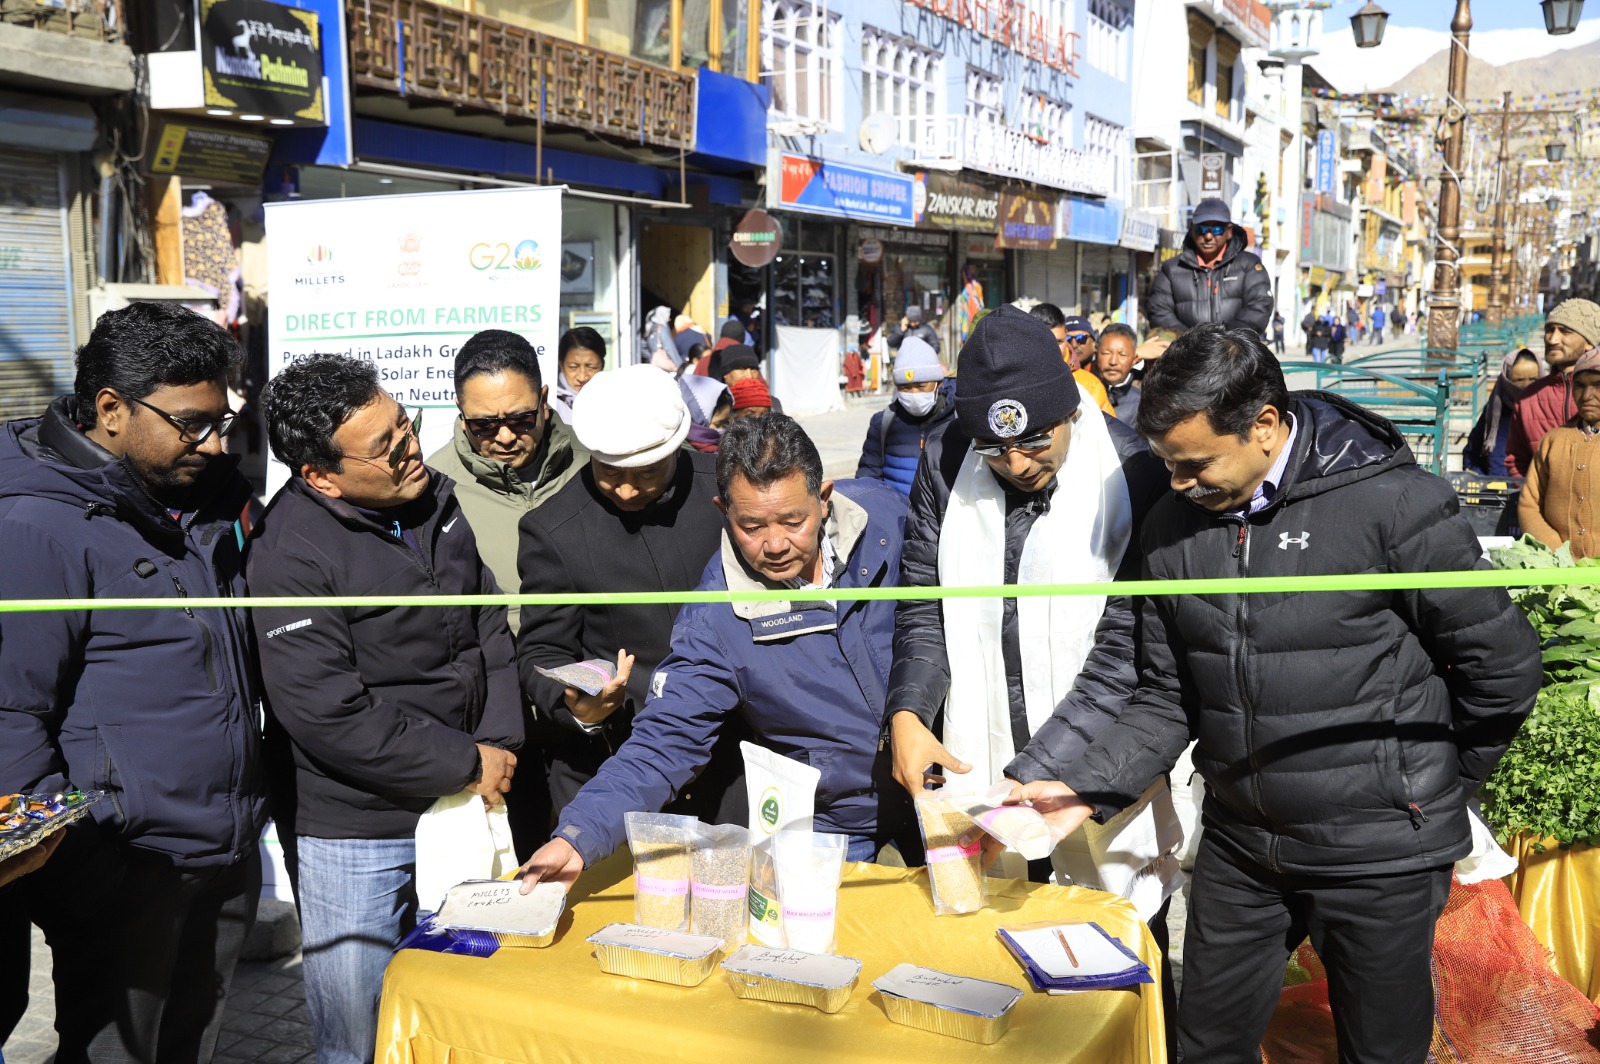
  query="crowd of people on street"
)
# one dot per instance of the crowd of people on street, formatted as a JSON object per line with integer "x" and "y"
{"x": 1341, "y": 735}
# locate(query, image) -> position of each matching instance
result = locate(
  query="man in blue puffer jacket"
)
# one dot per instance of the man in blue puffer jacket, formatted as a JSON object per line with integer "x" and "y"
{"x": 808, "y": 676}
{"x": 122, "y": 490}
{"x": 921, "y": 406}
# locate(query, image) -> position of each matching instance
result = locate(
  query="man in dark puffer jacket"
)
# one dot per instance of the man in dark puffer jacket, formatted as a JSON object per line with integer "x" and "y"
{"x": 922, "y": 405}
{"x": 1214, "y": 279}
{"x": 1341, "y": 734}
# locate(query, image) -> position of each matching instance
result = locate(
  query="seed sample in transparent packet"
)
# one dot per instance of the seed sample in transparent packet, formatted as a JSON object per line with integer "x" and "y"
{"x": 954, "y": 855}
{"x": 719, "y": 905}
{"x": 660, "y": 843}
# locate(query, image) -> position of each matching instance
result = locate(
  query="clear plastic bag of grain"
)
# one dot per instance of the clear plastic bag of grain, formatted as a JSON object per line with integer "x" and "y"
{"x": 719, "y": 891}
{"x": 954, "y": 855}
{"x": 660, "y": 843}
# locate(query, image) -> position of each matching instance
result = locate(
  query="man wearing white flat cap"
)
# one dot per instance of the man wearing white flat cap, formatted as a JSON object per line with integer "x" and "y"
{"x": 639, "y": 518}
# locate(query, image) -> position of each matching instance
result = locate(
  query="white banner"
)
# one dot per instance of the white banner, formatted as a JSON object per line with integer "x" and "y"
{"x": 805, "y": 371}
{"x": 405, "y": 280}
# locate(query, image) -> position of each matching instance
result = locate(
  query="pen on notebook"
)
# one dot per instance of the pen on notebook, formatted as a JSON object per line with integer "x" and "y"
{"x": 1073, "y": 957}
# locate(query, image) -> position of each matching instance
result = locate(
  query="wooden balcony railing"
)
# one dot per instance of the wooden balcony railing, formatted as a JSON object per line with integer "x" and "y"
{"x": 418, "y": 48}
{"x": 99, "y": 20}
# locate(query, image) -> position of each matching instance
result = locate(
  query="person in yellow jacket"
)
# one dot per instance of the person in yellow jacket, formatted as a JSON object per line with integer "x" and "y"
{"x": 1077, "y": 340}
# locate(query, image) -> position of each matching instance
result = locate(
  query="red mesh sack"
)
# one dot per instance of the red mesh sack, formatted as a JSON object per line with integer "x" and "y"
{"x": 1496, "y": 998}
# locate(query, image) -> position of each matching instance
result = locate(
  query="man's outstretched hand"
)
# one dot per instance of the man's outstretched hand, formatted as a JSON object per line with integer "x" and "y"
{"x": 915, "y": 751}
{"x": 1055, "y": 801}
{"x": 554, "y": 862}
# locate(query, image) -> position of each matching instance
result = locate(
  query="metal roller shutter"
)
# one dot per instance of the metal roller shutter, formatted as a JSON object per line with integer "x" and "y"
{"x": 36, "y": 326}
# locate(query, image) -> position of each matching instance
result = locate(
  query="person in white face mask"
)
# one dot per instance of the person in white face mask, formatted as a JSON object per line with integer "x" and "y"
{"x": 923, "y": 402}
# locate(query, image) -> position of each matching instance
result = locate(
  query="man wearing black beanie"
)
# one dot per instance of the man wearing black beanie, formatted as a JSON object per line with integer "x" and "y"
{"x": 1032, "y": 484}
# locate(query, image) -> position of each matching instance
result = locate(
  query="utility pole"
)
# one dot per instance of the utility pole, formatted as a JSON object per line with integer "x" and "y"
{"x": 1444, "y": 302}
{"x": 1496, "y": 309}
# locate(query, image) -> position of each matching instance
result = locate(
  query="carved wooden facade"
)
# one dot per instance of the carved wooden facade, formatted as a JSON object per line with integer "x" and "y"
{"x": 418, "y": 48}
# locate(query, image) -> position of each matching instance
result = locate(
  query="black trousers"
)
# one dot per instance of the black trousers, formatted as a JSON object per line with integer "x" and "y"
{"x": 143, "y": 952}
{"x": 1373, "y": 934}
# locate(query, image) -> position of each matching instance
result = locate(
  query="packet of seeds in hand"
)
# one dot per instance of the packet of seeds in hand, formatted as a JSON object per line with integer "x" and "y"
{"x": 1020, "y": 827}
{"x": 660, "y": 844}
{"x": 719, "y": 859}
{"x": 783, "y": 794}
{"x": 587, "y": 676}
{"x": 955, "y": 856}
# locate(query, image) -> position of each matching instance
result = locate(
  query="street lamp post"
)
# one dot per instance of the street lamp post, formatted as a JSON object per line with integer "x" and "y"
{"x": 1444, "y": 302}
{"x": 1496, "y": 309}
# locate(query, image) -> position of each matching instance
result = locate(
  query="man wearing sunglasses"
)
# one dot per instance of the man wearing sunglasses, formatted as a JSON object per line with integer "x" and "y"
{"x": 373, "y": 713}
{"x": 1214, "y": 279}
{"x": 508, "y": 455}
{"x": 1030, "y": 485}
{"x": 122, "y": 489}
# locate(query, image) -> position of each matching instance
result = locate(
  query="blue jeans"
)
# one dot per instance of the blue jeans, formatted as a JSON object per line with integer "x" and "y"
{"x": 357, "y": 898}
{"x": 1319, "y": 354}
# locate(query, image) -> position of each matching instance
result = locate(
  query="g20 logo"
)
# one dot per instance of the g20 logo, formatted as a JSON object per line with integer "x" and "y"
{"x": 503, "y": 256}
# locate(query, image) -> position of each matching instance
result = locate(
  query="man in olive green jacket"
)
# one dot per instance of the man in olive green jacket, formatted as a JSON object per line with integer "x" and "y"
{"x": 509, "y": 454}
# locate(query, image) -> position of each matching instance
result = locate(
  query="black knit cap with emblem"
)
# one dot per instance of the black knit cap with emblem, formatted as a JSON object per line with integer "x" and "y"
{"x": 1011, "y": 379}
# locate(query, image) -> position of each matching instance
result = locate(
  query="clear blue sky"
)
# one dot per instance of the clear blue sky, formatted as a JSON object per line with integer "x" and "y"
{"x": 1436, "y": 14}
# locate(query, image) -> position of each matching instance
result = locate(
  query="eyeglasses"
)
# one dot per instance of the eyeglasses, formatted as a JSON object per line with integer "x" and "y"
{"x": 193, "y": 430}
{"x": 397, "y": 453}
{"x": 1036, "y": 442}
{"x": 487, "y": 428}
{"x": 1079, "y": 338}
{"x": 1211, "y": 228}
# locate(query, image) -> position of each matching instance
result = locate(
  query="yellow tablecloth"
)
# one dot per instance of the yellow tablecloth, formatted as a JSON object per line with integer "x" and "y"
{"x": 1558, "y": 895}
{"x": 555, "y": 1004}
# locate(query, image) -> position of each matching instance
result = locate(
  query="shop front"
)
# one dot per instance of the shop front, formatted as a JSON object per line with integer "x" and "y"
{"x": 1046, "y": 272}
{"x": 1093, "y": 228}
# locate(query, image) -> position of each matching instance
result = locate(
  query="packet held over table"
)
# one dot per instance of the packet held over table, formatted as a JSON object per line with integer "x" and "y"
{"x": 1020, "y": 827}
{"x": 499, "y": 907}
{"x": 956, "y": 1005}
{"x": 790, "y": 976}
{"x": 1061, "y": 957}
{"x": 656, "y": 954}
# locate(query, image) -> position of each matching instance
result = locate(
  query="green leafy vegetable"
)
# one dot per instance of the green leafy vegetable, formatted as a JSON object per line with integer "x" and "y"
{"x": 1548, "y": 784}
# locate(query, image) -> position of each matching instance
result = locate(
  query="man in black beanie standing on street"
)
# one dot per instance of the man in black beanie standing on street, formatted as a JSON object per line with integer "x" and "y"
{"x": 1032, "y": 484}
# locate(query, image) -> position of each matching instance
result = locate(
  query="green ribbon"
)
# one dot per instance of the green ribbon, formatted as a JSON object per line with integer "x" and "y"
{"x": 1252, "y": 585}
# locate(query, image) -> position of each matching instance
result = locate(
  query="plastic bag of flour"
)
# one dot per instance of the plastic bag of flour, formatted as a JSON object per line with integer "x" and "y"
{"x": 783, "y": 795}
{"x": 810, "y": 865}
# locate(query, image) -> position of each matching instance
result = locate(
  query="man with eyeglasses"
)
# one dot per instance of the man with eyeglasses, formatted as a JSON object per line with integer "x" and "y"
{"x": 1030, "y": 485}
{"x": 1075, "y": 337}
{"x": 1213, "y": 279}
{"x": 373, "y": 713}
{"x": 123, "y": 489}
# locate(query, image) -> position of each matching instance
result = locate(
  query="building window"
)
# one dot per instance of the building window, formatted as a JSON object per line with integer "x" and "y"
{"x": 800, "y": 61}
{"x": 1200, "y": 33}
{"x": 1227, "y": 60}
{"x": 985, "y": 98}
{"x": 1106, "y": 43}
{"x": 898, "y": 77}
{"x": 1047, "y": 120}
{"x": 1108, "y": 141}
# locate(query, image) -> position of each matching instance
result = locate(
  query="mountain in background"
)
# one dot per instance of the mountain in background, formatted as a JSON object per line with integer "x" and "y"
{"x": 1571, "y": 68}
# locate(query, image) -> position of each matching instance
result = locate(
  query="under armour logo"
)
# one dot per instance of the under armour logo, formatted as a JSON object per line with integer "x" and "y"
{"x": 1303, "y": 539}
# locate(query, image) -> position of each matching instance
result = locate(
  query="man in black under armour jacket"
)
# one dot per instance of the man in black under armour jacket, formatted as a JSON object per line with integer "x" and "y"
{"x": 1341, "y": 734}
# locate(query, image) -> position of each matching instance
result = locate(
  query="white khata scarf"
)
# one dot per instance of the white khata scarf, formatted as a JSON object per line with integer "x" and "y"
{"x": 1081, "y": 539}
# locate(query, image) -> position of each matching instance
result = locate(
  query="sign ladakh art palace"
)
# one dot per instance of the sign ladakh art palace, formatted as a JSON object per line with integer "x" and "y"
{"x": 262, "y": 58}
{"x": 1015, "y": 24}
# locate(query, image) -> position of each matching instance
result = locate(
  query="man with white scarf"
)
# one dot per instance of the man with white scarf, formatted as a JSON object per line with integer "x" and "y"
{"x": 1031, "y": 484}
